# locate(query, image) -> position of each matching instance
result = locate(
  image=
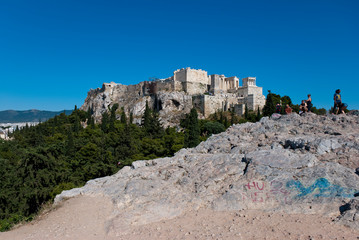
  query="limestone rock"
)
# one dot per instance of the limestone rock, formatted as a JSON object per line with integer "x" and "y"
{"x": 172, "y": 105}
{"x": 290, "y": 164}
{"x": 350, "y": 214}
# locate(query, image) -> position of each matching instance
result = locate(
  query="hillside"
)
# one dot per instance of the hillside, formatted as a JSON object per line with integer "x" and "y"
{"x": 33, "y": 115}
{"x": 277, "y": 178}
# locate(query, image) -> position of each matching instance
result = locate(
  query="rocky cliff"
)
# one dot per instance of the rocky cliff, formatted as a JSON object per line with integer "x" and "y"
{"x": 295, "y": 164}
{"x": 172, "y": 105}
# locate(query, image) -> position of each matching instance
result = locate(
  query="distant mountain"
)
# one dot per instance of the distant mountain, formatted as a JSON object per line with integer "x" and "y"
{"x": 33, "y": 115}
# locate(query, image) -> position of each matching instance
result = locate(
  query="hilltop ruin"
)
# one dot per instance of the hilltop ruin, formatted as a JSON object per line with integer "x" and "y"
{"x": 175, "y": 96}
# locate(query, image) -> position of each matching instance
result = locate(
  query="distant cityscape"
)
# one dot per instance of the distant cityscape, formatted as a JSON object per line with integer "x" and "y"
{"x": 10, "y": 119}
{"x": 6, "y": 128}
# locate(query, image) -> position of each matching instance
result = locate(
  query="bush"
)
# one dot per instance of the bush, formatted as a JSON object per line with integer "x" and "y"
{"x": 210, "y": 128}
{"x": 61, "y": 187}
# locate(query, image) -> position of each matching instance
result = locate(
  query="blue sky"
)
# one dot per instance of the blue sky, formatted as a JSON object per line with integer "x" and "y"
{"x": 53, "y": 52}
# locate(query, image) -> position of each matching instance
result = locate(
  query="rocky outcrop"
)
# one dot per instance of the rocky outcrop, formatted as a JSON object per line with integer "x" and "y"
{"x": 172, "y": 105}
{"x": 296, "y": 164}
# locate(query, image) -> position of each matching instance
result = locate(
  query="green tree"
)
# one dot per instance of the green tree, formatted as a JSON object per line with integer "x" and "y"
{"x": 92, "y": 123}
{"x": 210, "y": 128}
{"x": 77, "y": 124}
{"x": 89, "y": 115}
{"x": 320, "y": 111}
{"x": 192, "y": 132}
{"x": 70, "y": 146}
{"x": 151, "y": 122}
{"x": 113, "y": 117}
{"x": 258, "y": 117}
{"x": 271, "y": 101}
{"x": 226, "y": 123}
{"x": 173, "y": 141}
{"x": 146, "y": 118}
{"x": 37, "y": 173}
{"x": 246, "y": 112}
{"x": 104, "y": 122}
{"x": 123, "y": 116}
{"x": 215, "y": 116}
{"x": 233, "y": 115}
{"x": 156, "y": 126}
{"x": 131, "y": 118}
{"x": 221, "y": 117}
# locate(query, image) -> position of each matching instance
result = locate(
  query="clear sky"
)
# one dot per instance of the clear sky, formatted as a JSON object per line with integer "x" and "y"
{"x": 53, "y": 52}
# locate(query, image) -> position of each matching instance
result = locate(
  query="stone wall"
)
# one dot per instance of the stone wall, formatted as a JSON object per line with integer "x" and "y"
{"x": 208, "y": 104}
{"x": 180, "y": 75}
{"x": 191, "y": 81}
{"x": 164, "y": 85}
{"x": 239, "y": 109}
{"x": 216, "y": 83}
{"x": 194, "y": 88}
{"x": 197, "y": 76}
{"x": 178, "y": 86}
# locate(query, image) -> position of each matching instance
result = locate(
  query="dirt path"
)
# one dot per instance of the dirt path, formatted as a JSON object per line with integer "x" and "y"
{"x": 85, "y": 218}
{"x": 76, "y": 218}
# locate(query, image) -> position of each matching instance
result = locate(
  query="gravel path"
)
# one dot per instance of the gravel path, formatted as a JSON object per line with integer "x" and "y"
{"x": 87, "y": 218}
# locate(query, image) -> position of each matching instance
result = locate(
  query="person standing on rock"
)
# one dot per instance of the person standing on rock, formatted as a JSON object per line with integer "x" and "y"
{"x": 337, "y": 102}
{"x": 309, "y": 102}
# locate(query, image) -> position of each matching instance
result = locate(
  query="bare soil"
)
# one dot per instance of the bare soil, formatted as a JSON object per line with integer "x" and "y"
{"x": 88, "y": 218}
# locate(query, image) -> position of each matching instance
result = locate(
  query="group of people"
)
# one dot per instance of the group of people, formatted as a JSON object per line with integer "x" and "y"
{"x": 307, "y": 105}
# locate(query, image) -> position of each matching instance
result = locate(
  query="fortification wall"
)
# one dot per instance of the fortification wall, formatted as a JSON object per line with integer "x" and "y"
{"x": 211, "y": 104}
{"x": 192, "y": 81}
{"x": 216, "y": 82}
{"x": 245, "y": 91}
{"x": 180, "y": 75}
{"x": 253, "y": 101}
{"x": 197, "y": 76}
{"x": 178, "y": 86}
{"x": 194, "y": 88}
{"x": 239, "y": 109}
{"x": 259, "y": 101}
{"x": 165, "y": 86}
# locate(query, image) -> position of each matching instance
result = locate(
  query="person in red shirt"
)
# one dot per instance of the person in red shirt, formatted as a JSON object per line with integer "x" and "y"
{"x": 288, "y": 109}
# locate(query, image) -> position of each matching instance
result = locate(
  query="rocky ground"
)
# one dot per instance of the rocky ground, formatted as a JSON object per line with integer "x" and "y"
{"x": 289, "y": 178}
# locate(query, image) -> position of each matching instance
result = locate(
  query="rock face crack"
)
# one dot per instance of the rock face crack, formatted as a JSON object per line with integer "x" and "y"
{"x": 247, "y": 161}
